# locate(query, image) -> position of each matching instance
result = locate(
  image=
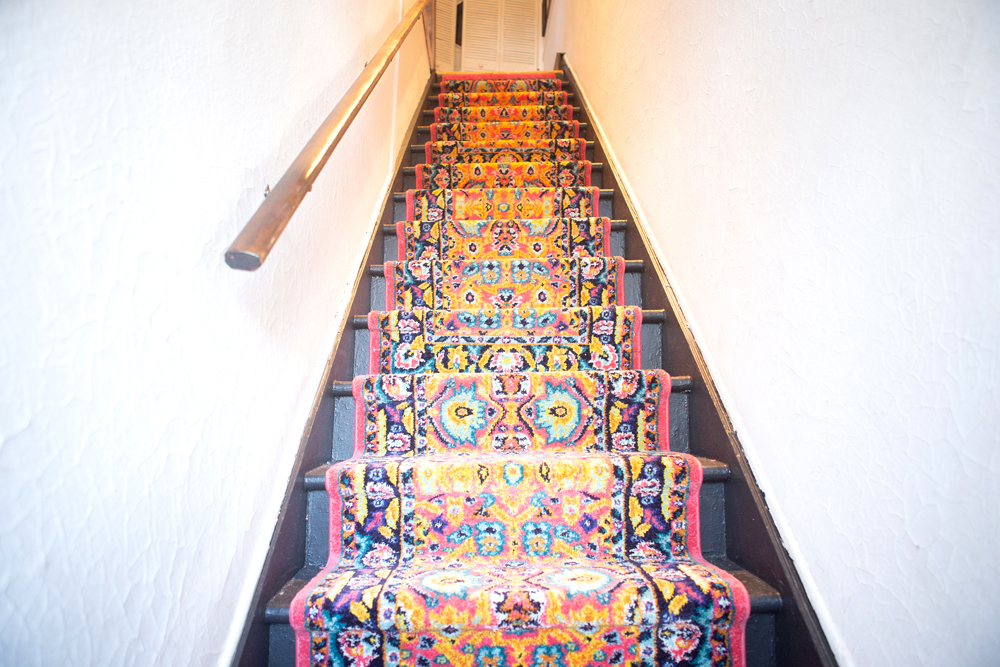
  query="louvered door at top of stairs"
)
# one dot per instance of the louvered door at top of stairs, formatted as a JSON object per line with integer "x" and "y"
{"x": 500, "y": 35}
{"x": 410, "y": 284}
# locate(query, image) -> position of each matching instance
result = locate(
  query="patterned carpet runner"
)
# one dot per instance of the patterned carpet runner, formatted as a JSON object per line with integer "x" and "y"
{"x": 505, "y": 283}
{"x": 482, "y": 175}
{"x": 538, "y": 150}
{"x": 503, "y": 239}
{"x": 512, "y": 499}
{"x": 507, "y": 113}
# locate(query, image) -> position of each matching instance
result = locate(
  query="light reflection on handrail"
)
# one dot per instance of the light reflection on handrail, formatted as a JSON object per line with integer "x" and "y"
{"x": 253, "y": 244}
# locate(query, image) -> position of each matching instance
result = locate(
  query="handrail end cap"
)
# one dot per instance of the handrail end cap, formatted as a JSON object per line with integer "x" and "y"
{"x": 242, "y": 260}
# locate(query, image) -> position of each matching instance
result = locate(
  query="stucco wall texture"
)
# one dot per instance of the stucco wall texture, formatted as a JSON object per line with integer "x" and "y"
{"x": 151, "y": 398}
{"x": 823, "y": 182}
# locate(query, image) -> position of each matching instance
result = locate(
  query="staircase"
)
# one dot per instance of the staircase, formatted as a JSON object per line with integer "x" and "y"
{"x": 301, "y": 545}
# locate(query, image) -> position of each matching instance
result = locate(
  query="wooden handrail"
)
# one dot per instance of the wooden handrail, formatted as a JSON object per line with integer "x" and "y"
{"x": 253, "y": 244}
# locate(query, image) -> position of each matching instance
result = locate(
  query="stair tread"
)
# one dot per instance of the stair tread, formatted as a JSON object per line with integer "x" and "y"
{"x": 420, "y": 147}
{"x": 399, "y": 197}
{"x": 715, "y": 472}
{"x": 648, "y": 317}
{"x": 594, "y": 166}
{"x": 764, "y": 598}
{"x": 631, "y": 265}
{"x": 616, "y": 226}
{"x": 427, "y": 128}
{"x": 679, "y": 384}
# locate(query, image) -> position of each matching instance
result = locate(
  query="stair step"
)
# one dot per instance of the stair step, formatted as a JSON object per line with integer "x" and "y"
{"x": 681, "y": 384}
{"x": 428, "y": 114}
{"x": 631, "y": 266}
{"x": 605, "y": 204}
{"x": 595, "y": 167}
{"x": 417, "y": 150}
{"x": 648, "y": 317}
{"x": 570, "y": 98}
{"x": 400, "y": 197}
{"x": 616, "y": 226}
{"x": 596, "y": 176}
{"x": 715, "y": 472}
{"x": 764, "y": 599}
{"x": 426, "y": 129}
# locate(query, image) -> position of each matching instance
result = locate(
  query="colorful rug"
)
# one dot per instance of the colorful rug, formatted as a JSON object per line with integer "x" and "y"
{"x": 532, "y": 98}
{"x": 506, "y": 114}
{"x": 518, "y": 559}
{"x": 513, "y": 82}
{"x": 505, "y": 131}
{"x": 511, "y": 500}
{"x": 544, "y": 150}
{"x": 508, "y": 340}
{"x": 505, "y": 283}
{"x": 503, "y": 239}
{"x": 479, "y": 175}
{"x": 501, "y": 204}
{"x": 470, "y": 413}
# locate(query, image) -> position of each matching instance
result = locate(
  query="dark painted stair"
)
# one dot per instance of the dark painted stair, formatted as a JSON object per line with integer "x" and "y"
{"x": 765, "y": 600}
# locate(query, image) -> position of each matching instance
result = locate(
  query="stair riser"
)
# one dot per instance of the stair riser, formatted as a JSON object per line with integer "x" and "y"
{"x": 418, "y": 156}
{"x": 759, "y": 642}
{"x": 713, "y": 531}
{"x": 390, "y": 253}
{"x": 605, "y": 209}
{"x": 410, "y": 180}
{"x": 424, "y": 133}
{"x": 632, "y": 293}
{"x": 651, "y": 346}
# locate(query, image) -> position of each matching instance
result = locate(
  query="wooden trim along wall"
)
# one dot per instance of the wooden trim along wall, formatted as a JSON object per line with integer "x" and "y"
{"x": 752, "y": 539}
{"x": 286, "y": 553}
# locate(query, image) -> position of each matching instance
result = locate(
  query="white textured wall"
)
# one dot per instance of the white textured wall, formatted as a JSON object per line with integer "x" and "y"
{"x": 151, "y": 398}
{"x": 823, "y": 181}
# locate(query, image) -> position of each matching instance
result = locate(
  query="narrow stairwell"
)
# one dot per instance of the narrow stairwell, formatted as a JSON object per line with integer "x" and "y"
{"x": 341, "y": 411}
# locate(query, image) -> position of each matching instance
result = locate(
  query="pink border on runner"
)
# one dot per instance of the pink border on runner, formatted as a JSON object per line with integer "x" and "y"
{"x": 427, "y": 153}
{"x": 389, "y": 272}
{"x": 741, "y": 599}
{"x": 607, "y": 236}
{"x": 437, "y": 114}
{"x": 419, "y": 174}
{"x": 583, "y": 148}
{"x": 595, "y": 199}
{"x": 434, "y": 131}
{"x": 663, "y": 410}
{"x": 619, "y": 280}
{"x": 636, "y": 338}
{"x": 503, "y": 76}
{"x": 373, "y": 341}
{"x": 401, "y": 241}
{"x": 570, "y": 110}
{"x": 359, "y": 416}
{"x": 409, "y": 205}
{"x": 588, "y": 166}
